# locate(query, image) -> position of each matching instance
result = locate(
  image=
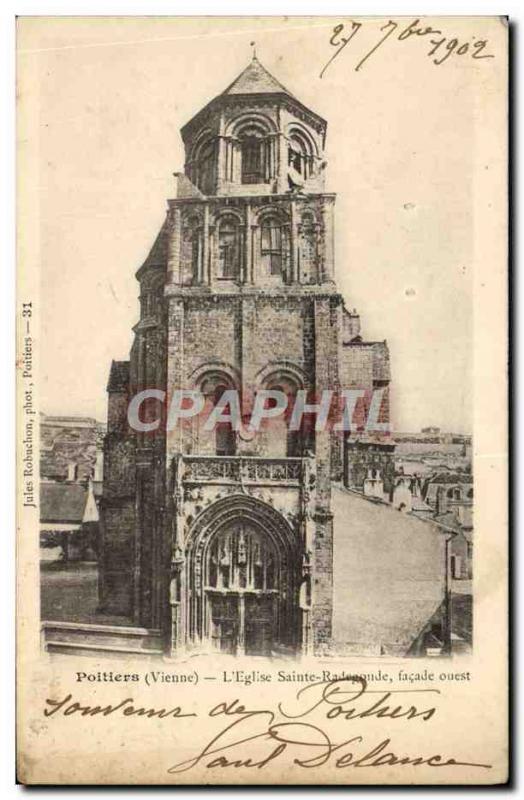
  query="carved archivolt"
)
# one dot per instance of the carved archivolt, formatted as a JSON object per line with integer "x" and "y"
{"x": 272, "y": 211}
{"x": 299, "y": 133}
{"x": 281, "y": 371}
{"x": 230, "y": 509}
{"x": 243, "y": 123}
{"x": 215, "y": 368}
{"x": 217, "y": 523}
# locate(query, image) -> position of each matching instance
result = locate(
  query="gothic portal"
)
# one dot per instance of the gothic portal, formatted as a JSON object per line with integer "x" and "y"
{"x": 221, "y": 539}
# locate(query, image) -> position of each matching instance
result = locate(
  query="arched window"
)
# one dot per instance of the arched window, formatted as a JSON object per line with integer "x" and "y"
{"x": 204, "y": 167}
{"x": 191, "y": 246}
{"x": 229, "y": 249}
{"x": 252, "y": 159}
{"x": 300, "y": 154}
{"x": 274, "y": 246}
{"x": 281, "y": 440}
{"x": 213, "y": 387}
{"x": 253, "y": 153}
{"x": 225, "y": 442}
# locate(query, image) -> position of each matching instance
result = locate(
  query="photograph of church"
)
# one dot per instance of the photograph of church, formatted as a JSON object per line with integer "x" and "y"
{"x": 259, "y": 544}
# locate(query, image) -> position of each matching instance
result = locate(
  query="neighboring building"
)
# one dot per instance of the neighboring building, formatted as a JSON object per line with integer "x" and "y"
{"x": 390, "y": 578}
{"x": 221, "y": 539}
{"x": 437, "y": 518}
{"x": 432, "y": 451}
{"x": 366, "y": 459}
{"x": 453, "y": 505}
{"x": 70, "y": 486}
{"x": 68, "y": 521}
{"x": 457, "y": 489}
{"x": 444, "y": 498}
{"x": 434, "y": 447}
{"x": 432, "y": 435}
{"x": 454, "y": 514}
{"x": 461, "y": 550}
{"x": 66, "y": 441}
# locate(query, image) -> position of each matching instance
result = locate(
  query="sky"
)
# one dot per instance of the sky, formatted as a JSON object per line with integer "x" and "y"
{"x": 111, "y": 96}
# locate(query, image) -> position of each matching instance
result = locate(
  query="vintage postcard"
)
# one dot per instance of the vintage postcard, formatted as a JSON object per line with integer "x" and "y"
{"x": 262, "y": 400}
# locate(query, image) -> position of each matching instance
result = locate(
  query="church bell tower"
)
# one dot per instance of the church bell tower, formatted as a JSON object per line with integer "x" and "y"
{"x": 223, "y": 540}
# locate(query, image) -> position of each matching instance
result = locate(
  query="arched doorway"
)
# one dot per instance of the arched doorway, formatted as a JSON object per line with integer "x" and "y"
{"x": 242, "y": 580}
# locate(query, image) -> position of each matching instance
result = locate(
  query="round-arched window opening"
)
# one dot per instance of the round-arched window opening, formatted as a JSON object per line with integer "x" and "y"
{"x": 229, "y": 249}
{"x": 191, "y": 248}
{"x": 300, "y": 155}
{"x": 252, "y": 158}
{"x": 213, "y": 385}
{"x": 204, "y": 167}
{"x": 225, "y": 440}
{"x": 280, "y": 426}
{"x": 274, "y": 246}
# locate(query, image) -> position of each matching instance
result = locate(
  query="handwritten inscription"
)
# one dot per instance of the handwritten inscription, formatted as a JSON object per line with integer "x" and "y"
{"x": 302, "y": 729}
{"x": 441, "y": 47}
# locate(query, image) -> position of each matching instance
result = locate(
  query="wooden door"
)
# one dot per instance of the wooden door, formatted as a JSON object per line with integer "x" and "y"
{"x": 260, "y": 624}
{"x": 224, "y": 622}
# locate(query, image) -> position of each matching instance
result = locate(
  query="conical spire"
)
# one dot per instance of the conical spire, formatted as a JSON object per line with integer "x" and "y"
{"x": 255, "y": 79}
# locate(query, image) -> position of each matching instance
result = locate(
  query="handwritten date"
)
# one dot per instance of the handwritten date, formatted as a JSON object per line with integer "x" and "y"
{"x": 442, "y": 46}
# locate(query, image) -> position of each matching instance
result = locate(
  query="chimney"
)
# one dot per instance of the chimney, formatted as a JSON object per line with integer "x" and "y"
{"x": 72, "y": 472}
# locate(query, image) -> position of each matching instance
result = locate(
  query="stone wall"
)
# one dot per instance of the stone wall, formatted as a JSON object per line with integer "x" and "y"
{"x": 117, "y": 525}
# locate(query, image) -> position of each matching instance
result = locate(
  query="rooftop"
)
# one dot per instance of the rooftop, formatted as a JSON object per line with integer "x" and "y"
{"x": 62, "y": 502}
{"x": 255, "y": 79}
{"x": 383, "y": 559}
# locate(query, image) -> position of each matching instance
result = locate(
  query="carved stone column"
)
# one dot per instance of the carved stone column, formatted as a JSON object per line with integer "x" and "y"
{"x": 328, "y": 255}
{"x": 247, "y": 272}
{"x": 221, "y": 176}
{"x": 173, "y": 245}
{"x": 177, "y": 586}
{"x": 282, "y": 183}
{"x": 254, "y": 254}
{"x": 204, "y": 261}
{"x": 295, "y": 257}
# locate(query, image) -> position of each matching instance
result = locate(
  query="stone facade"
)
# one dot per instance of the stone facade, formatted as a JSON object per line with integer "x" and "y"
{"x": 223, "y": 539}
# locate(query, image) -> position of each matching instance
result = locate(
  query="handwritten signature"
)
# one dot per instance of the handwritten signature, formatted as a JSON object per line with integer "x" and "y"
{"x": 333, "y": 700}
{"x": 442, "y": 47}
{"x": 254, "y": 737}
